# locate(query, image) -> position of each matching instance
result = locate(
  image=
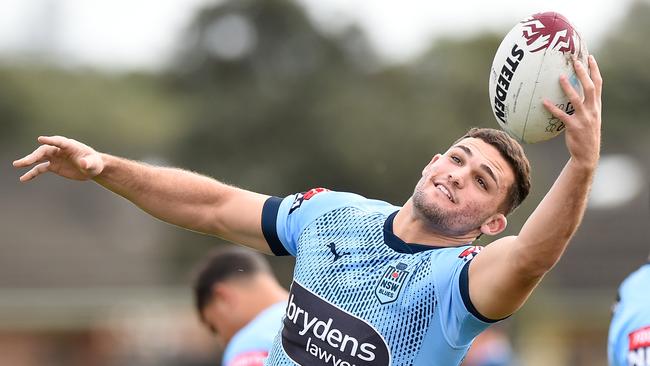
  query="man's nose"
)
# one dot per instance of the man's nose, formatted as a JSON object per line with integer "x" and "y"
{"x": 456, "y": 179}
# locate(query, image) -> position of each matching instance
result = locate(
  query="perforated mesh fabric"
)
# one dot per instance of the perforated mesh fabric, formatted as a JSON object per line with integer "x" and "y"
{"x": 350, "y": 282}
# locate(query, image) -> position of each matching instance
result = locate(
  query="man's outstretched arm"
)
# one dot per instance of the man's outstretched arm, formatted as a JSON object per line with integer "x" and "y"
{"x": 503, "y": 276}
{"x": 176, "y": 196}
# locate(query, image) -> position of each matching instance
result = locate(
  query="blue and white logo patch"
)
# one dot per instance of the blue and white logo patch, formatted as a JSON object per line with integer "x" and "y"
{"x": 391, "y": 282}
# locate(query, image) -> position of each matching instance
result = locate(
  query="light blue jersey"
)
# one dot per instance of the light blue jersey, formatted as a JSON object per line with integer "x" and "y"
{"x": 629, "y": 332}
{"x": 251, "y": 345}
{"x": 360, "y": 295}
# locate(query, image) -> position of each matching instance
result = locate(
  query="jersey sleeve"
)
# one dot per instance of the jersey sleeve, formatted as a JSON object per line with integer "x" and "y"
{"x": 460, "y": 320}
{"x": 283, "y": 219}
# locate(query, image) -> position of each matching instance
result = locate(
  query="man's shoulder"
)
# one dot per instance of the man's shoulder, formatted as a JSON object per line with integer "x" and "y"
{"x": 456, "y": 254}
{"x": 636, "y": 283}
{"x": 266, "y": 322}
{"x": 325, "y": 200}
{"x": 258, "y": 335}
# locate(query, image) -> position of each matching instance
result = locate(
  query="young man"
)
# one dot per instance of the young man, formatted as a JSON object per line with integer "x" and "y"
{"x": 239, "y": 299}
{"x": 629, "y": 331}
{"x": 377, "y": 284}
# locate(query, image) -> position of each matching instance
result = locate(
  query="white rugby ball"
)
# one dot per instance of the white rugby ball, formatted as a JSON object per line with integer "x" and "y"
{"x": 526, "y": 70}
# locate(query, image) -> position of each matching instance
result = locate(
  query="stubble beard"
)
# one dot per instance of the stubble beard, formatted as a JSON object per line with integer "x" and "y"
{"x": 445, "y": 222}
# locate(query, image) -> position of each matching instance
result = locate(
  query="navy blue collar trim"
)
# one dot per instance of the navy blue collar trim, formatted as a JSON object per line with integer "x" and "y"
{"x": 398, "y": 244}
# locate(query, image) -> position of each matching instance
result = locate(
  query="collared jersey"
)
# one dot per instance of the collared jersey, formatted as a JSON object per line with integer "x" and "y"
{"x": 629, "y": 331}
{"x": 251, "y": 345}
{"x": 360, "y": 295}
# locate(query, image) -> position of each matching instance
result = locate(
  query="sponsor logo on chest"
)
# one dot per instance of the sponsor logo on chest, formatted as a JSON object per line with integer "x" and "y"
{"x": 391, "y": 282}
{"x": 316, "y": 332}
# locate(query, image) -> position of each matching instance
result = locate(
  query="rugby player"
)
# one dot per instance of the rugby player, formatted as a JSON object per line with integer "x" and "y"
{"x": 238, "y": 298}
{"x": 629, "y": 331}
{"x": 377, "y": 284}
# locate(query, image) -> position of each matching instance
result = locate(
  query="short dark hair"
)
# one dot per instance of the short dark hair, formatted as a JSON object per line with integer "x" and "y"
{"x": 223, "y": 264}
{"x": 514, "y": 154}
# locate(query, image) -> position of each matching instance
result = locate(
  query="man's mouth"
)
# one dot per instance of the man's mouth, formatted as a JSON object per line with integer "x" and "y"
{"x": 444, "y": 190}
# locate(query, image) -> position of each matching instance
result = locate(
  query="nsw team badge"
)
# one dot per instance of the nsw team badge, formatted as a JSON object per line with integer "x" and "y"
{"x": 391, "y": 283}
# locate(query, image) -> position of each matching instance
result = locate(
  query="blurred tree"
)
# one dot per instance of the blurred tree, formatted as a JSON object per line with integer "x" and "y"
{"x": 258, "y": 68}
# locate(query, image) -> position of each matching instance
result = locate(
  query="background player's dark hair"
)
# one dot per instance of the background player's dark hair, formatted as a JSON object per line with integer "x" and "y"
{"x": 512, "y": 151}
{"x": 223, "y": 264}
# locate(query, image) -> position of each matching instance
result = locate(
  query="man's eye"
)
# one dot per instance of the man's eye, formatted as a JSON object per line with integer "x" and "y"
{"x": 481, "y": 182}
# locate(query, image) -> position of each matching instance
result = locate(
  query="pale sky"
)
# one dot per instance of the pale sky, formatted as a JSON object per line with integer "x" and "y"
{"x": 111, "y": 34}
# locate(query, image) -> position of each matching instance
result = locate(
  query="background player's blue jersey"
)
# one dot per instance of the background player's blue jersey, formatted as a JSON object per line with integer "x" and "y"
{"x": 629, "y": 332}
{"x": 250, "y": 346}
{"x": 360, "y": 295}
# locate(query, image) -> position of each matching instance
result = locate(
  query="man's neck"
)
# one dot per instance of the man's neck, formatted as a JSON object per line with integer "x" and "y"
{"x": 267, "y": 292}
{"x": 411, "y": 229}
{"x": 263, "y": 293}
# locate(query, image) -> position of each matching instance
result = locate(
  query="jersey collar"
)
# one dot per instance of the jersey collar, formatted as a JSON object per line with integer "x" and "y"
{"x": 398, "y": 244}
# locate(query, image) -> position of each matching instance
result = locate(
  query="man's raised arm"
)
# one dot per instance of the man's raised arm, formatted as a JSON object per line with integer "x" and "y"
{"x": 502, "y": 277}
{"x": 176, "y": 196}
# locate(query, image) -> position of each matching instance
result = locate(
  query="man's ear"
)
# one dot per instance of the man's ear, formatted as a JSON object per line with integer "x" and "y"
{"x": 433, "y": 160}
{"x": 494, "y": 225}
{"x": 222, "y": 293}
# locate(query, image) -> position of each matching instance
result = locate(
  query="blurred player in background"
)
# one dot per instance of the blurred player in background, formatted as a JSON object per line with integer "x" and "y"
{"x": 239, "y": 299}
{"x": 629, "y": 331}
{"x": 490, "y": 348}
{"x": 377, "y": 284}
